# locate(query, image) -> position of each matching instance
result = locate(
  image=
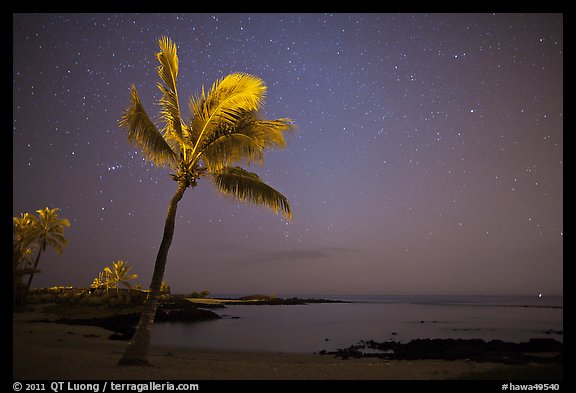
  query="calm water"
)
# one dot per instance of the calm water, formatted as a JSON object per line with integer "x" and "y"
{"x": 313, "y": 327}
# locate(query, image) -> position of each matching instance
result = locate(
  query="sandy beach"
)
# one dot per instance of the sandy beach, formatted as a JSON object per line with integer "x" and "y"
{"x": 56, "y": 351}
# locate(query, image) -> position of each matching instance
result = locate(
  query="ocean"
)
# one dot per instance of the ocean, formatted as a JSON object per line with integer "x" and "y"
{"x": 329, "y": 326}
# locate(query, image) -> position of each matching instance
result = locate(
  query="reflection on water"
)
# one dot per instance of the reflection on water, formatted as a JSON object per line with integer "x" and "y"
{"x": 313, "y": 327}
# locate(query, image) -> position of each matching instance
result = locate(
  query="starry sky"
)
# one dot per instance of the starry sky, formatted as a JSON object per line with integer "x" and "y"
{"x": 428, "y": 157}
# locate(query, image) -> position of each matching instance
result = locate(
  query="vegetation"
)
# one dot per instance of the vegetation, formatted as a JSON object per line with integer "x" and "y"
{"x": 259, "y": 300}
{"x": 199, "y": 295}
{"x": 30, "y": 234}
{"x": 87, "y": 299}
{"x": 258, "y": 297}
{"x": 165, "y": 288}
{"x": 95, "y": 297}
{"x": 22, "y": 249}
{"x": 113, "y": 277}
{"x": 225, "y": 129}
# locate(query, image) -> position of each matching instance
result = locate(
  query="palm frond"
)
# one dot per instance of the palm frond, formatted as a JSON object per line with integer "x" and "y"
{"x": 48, "y": 229}
{"x": 113, "y": 276}
{"x": 143, "y": 133}
{"x": 168, "y": 58}
{"x": 248, "y": 187}
{"x": 28, "y": 270}
{"x": 226, "y": 102}
{"x": 229, "y": 149}
{"x": 58, "y": 242}
{"x": 267, "y": 133}
{"x": 22, "y": 230}
{"x": 131, "y": 277}
{"x": 174, "y": 130}
{"x": 244, "y": 141}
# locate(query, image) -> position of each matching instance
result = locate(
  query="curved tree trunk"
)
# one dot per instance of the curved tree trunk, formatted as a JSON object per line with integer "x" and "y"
{"x": 15, "y": 279}
{"x": 137, "y": 350}
{"x": 29, "y": 284}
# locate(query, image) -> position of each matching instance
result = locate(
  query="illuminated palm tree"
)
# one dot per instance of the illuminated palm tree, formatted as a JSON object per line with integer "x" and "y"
{"x": 22, "y": 249}
{"x": 100, "y": 281}
{"x": 118, "y": 274}
{"x": 46, "y": 230}
{"x": 225, "y": 129}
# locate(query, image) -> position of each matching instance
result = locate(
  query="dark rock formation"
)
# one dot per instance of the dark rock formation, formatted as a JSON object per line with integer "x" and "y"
{"x": 452, "y": 349}
{"x": 273, "y": 301}
{"x": 124, "y": 325}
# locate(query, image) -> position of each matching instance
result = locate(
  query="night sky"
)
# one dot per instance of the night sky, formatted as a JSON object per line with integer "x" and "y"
{"x": 428, "y": 157}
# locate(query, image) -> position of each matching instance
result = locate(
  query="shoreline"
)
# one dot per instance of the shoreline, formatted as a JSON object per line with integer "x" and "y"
{"x": 50, "y": 351}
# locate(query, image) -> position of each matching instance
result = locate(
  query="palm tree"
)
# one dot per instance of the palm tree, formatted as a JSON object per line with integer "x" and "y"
{"x": 100, "y": 281}
{"x": 22, "y": 249}
{"x": 47, "y": 230}
{"x": 119, "y": 275}
{"x": 225, "y": 128}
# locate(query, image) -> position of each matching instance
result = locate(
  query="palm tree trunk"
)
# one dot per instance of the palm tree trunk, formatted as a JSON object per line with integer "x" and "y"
{"x": 29, "y": 284}
{"x": 137, "y": 350}
{"x": 15, "y": 280}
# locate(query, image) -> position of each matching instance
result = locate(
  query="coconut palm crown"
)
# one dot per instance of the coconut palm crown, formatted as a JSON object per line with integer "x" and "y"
{"x": 46, "y": 230}
{"x": 119, "y": 274}
{"x": 225, "y": 129}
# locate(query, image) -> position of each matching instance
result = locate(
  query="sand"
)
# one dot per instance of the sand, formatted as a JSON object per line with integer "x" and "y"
{"x": 56, "y": 351}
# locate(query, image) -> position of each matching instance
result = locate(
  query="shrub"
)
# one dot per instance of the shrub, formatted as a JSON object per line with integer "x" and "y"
{"x": 199, "y": 295}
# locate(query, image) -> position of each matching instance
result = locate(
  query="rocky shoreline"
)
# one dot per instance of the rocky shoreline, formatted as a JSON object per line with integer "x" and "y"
{"x": 276, "y": 301}
{"x": 178, "y": 309}
{"x": 50, "y": 351}
{"x": 175, "y": 308}
{"x": 123, "y": 325}
{"x": 536, "y": 350}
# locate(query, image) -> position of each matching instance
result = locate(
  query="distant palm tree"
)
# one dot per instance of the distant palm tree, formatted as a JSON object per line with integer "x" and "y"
{"x": 100, "y": 282}
{"x": 165, "y": 288}
{"x": 22, "y": 249}
{"x": 47, "y": 230}
{"x": 225, "y": 129}
{"x": 118, "y": 274}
